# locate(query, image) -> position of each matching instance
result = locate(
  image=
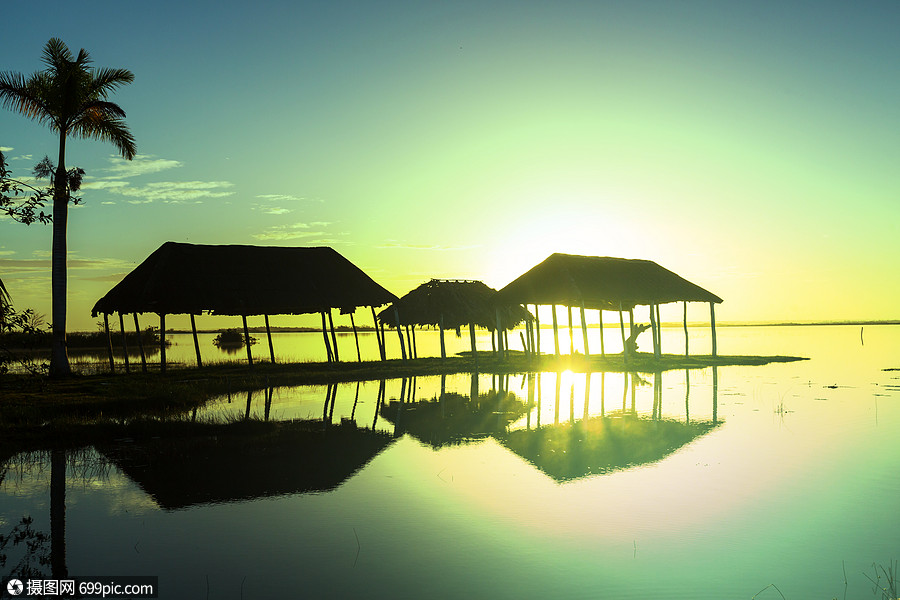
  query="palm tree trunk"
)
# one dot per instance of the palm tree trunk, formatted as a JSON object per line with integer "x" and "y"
{"x": 59, "y": 359}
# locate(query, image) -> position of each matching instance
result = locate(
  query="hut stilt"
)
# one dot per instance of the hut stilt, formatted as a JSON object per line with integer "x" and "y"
{"x": 415, "y": 350}
{"x": 622, "y": 329}
{"x": 137, "y": 327}
{"x": 162, "y": 342}
{"x": 379, "y": 335}
{"x": 109, "y": 351}
{"x": 658, "y": 331}
{"x": 654, "y": 332}
{"x": 712, "y": 325}
{"x": 355, "y": 337}
{"x": 409, "y": 343}
{"x": 602, "y": 343}
{"x": 571, "y": 337}
{"x": 443, "y": 347}
{"x": 269, "y": 337}
{"x": 555, "y": 331}
{"x": 325, "y": 336}
{"x": 247, "y": 340}
{"x": 337, "y": 357}
{"x": 383, "y": 342}
{"x": 630, "y": 321}
{"x": 196, "y": 342}
{"x": 399, "y": 333}
{"x": 685, "y": 330}
{"x": 124, "y": 342}
{"x": 472, "y": 341}
{"x": 584, "y": 332}
{"x": 537, "y": 331}
{"x": 501, "y": 350}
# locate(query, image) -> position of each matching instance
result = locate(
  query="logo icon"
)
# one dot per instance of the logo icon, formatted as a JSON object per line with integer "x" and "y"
{"x": 14, "y": 587}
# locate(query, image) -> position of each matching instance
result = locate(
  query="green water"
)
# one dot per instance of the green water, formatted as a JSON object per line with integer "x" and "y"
{"x": 683, "y": 485}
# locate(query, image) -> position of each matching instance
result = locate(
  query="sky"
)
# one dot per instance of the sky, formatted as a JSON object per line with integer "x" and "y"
{"x": 751, "y": 147}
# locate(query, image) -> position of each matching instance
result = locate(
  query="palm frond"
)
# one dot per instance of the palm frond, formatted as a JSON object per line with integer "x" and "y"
{"x": 105, "y": 127}
{"x": 5, "y": 300}
{"x": 105, "y": 81}
{"x": 56, "y": 54}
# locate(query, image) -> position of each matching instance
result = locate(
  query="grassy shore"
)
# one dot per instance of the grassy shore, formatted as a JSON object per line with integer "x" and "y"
{"x": 36, "y": 408}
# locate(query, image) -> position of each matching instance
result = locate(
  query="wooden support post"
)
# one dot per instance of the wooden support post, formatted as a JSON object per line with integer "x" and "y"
{"x": 383, "y": 343}
{"x": 501, "y": 351}
{"x": 399, "y": 332}
{"x": 337, "y": 357}
{"x": 555, "y": 331}
{"x": 631, "y": 321}
{"x": 537, "y": 331}
{"x": 587, "y": 351}
{"x": 162, "y": 342}
{"x": 247, "y": 341}
{"x": 658, "y": 331}
{"x": 196, "y": 342}
{"x": 124, "y": 342}
{"x": 415, "y": 349}
{"x": 355, "y": 337}
{"x": 325, "y": 335}
{"x": 137, "y": 327}
{"x": 269, "y": 337}
{"x": 443, "y": 347}
{"x": 622, "y": 329}
{"x": 409, "y": 343}
{"x": 685, "y": 330}
{"x": 379, "y": 335}
{"x": 571, "y": 337}
{"x": 653, "y": 332}
{"x": 602, "y": 343}
{"x": 109, "y": 350}
{"x": 472, "y": 342}
{"x": 712, "y": 324}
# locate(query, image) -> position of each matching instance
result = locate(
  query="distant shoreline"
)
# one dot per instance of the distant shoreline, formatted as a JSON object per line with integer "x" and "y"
{"x": 369, "y": 328}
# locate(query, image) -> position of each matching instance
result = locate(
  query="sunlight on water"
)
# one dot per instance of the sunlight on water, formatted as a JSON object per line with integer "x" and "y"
{"x": 706, "y": 483}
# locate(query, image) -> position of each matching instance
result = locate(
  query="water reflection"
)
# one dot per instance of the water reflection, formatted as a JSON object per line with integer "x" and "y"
{"x": 246, "y": 462}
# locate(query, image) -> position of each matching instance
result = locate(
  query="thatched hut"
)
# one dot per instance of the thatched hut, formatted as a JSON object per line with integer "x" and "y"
{"x": 236, "y": 280}
{"x": 606, "y": 283}
{"x": 451, "y": 304}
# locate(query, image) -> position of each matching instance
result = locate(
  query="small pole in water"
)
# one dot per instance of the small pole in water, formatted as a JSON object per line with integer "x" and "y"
{"x": 861, "y": 342}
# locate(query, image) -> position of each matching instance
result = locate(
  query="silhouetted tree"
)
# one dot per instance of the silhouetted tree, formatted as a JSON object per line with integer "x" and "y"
{"x": 70, "y": 98}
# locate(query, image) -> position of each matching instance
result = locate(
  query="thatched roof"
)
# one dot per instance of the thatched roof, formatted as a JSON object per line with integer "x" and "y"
{"x": 242, "y": 280}
{"x": 602, "y": 282}
{"x": 458, "y": 302}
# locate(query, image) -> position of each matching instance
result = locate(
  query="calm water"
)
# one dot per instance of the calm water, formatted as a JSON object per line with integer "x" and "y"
{"x": 674, "y": 485}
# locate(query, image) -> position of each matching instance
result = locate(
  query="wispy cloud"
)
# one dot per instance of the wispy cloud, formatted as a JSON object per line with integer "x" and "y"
{"x": 113, "y": 181}
{"x": 294, "y": 231}
{"x": 142, "y": 164}
{"x": 174, "y": 192}
{"x": 6, "y": 149}
{"x": 42, "y": 263}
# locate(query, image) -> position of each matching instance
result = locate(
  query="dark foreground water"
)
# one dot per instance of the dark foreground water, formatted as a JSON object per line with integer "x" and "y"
{"x": 707, "y": 484}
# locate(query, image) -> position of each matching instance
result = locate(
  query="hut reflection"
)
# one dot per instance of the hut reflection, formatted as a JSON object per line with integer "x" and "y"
{"x": 247, "y": 460}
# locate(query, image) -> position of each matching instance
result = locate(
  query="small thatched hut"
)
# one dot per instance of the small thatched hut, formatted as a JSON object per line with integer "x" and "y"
{"x": 189, "y": 279}
{"x": 606, "y": 283}
{"x": 451, "y": 304}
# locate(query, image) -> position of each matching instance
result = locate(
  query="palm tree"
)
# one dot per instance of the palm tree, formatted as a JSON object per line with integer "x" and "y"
{"x": 70, "y": 98}
{"x": 5, "y": 304}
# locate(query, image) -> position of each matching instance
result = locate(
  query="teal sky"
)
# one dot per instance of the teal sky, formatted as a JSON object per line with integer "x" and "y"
{"x": 752, "y": 147}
